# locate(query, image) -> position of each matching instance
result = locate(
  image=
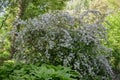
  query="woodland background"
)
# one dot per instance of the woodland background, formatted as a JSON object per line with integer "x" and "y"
{"x": 59, "y": 40}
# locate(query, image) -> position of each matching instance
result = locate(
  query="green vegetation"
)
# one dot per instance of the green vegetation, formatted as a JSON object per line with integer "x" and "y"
{"x": 59, "y": 40}
{"x": 20, "y": 71}
{"x": 114, "y": 40}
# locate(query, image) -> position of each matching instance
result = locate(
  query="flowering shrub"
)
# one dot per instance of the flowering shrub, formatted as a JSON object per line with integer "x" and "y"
{"x": 60, "y": 38}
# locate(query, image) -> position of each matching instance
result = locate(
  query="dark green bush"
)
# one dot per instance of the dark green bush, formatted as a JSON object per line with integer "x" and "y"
{"x": 60, "y": 38}
{"x": 21, "y": 71}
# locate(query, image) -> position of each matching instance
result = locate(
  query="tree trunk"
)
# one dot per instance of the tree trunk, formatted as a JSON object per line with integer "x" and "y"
{"x": 22, "y": 5}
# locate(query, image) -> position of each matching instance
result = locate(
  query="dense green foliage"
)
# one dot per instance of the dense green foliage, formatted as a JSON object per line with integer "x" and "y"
{"x": 114, "y": 39}
{"x": 37, "y": 7}
{"x": 21, "y": 71}
{"x": 31, "y": 8}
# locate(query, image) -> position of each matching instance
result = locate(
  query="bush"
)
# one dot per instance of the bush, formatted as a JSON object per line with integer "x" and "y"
{"x": 61, "y": 38}
{"x": 21, "y": 71}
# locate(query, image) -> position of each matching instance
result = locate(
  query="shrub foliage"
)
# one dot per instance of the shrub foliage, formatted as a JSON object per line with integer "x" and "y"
{"x": 68, "y": 40}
